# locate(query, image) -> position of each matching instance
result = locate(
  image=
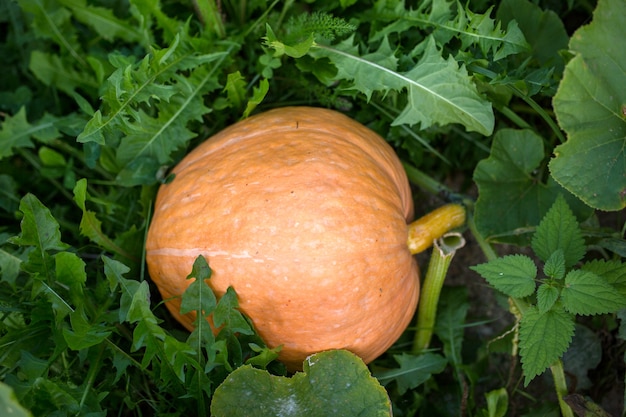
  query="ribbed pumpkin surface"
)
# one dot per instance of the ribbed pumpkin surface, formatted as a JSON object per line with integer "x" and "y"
{"x": 304, "y": 212}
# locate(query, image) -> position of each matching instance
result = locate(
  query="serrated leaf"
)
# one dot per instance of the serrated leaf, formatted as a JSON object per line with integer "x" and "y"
{"x": 590, "y": 107}
{"x": 16, "y": 132}
{"x": 586, "y": 293}
{"x": 555, "y": 265}
{"x": 611, "y": 271}
{"x": 438, "y": 90}
{"x": 559, "y": 230}
{"x": 547, "y": 295}
{"x": 543, "y": 338}
{"x": 413, "y": 371}
{"x": 512, "y": 199}
{"x": 514, "y": 275}
{"x": 39, "y": 227}
{"x": 83, "y": 334}
{"x": 448, "y": 19}
{"x": 333, "y": 383}
{"x": 103, "y": 21}
{"x": 59, "y": 72}
{"x": 90, "y": 226}
{"x": 258, "y": 94}
{"x": 227, "y": 314}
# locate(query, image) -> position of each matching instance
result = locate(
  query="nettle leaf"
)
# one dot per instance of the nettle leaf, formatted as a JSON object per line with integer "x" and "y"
{"x": 611, "y": 271}
{"x": 559, "y": 230}
{"x": 586, "y": 293}
{"x": 16, "y": 132}
{"x": 555, "y": 265}
{"x": 332, "y": 383}
{"x": 514, "y": 275}
{"x": 512, "y": 199}
{"x": 439, "y": 91}
{"x": 590, "y": 107}
{"x": 547, "y": 295}
{"x": 413, "y": 371}
{"x": 543, "y": 338}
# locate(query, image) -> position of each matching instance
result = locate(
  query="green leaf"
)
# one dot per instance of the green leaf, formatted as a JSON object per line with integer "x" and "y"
{"x": 70, "y": 271}
{"x": 413, "y": 371}
{"x": 198, "y": 296}
{"x": 547, "y": 295}
{"x": 512, "y": 198}
{"x": 60, "y": 72}
{"x": 555, "y": 265}
{"x": 280, "y": 48}
{"x": 611, "y": 271}
{"x": 497, "y": 402}
{"x": 332, "y": 383}
{"x": 258, "y": 94}
{"x": 559, "y": 230}
{"x": 90, "y": 225}
{"x": 590, "y": 106}
{"x": 438, "y": 90}
{"x": 235, "y": 89}
{"x": 586, "y": 293}
{"x": 9, "y": 406}
{"x": 16, "y": 132}
{"x": 451, "y": 322}
{"x": 103, "y": 21}
{"x": 514, "y": 275}
{"x": 227, "y": 314}
{"x": 83, "y": 334}
{"x": 543, "y": 338}
{"x": 39, "y": 227}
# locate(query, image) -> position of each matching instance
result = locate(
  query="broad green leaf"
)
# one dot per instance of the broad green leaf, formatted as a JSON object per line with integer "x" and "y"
{"x": 555, "y": 265}
{"x": 559, "y": 230}
{"x": 9, "y": 405}
{"x": 543, "y": 338}
{"x": 547, "y": 295}
{"x": 590, "y": 106}
{"x": 9, "y": 267}
{"x": 439, "y": 91}
{"x": 413, "y": 371}
{"x": 512, "y": 198}
{"x": 332, "y": 383}
{"x": 611, "y": 271}
{"x": 586, "y": 293}
{"x": 514, "y": 275}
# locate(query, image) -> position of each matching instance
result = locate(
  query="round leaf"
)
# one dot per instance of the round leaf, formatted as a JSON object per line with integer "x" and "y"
{"x": 333, "y": 383}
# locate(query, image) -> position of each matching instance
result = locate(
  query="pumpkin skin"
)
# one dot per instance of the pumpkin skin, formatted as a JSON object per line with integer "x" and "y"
{"x": 304, "y": 212}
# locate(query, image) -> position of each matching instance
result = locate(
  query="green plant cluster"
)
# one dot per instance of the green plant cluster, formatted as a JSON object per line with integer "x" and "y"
{"x": 521, "y": 100}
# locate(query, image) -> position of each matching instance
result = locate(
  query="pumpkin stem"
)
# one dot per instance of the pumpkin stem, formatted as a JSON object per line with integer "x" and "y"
{"x": 425, "y": 230}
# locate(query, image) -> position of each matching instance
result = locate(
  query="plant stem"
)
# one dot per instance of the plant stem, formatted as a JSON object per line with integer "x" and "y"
{"x": 561, "y": 387}
{"x": 442, "y": 255}
{"x": 424, "y": 231}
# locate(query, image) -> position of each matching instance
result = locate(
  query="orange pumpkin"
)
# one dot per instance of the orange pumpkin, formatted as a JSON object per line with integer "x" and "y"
{"x": 304, "y": 212}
